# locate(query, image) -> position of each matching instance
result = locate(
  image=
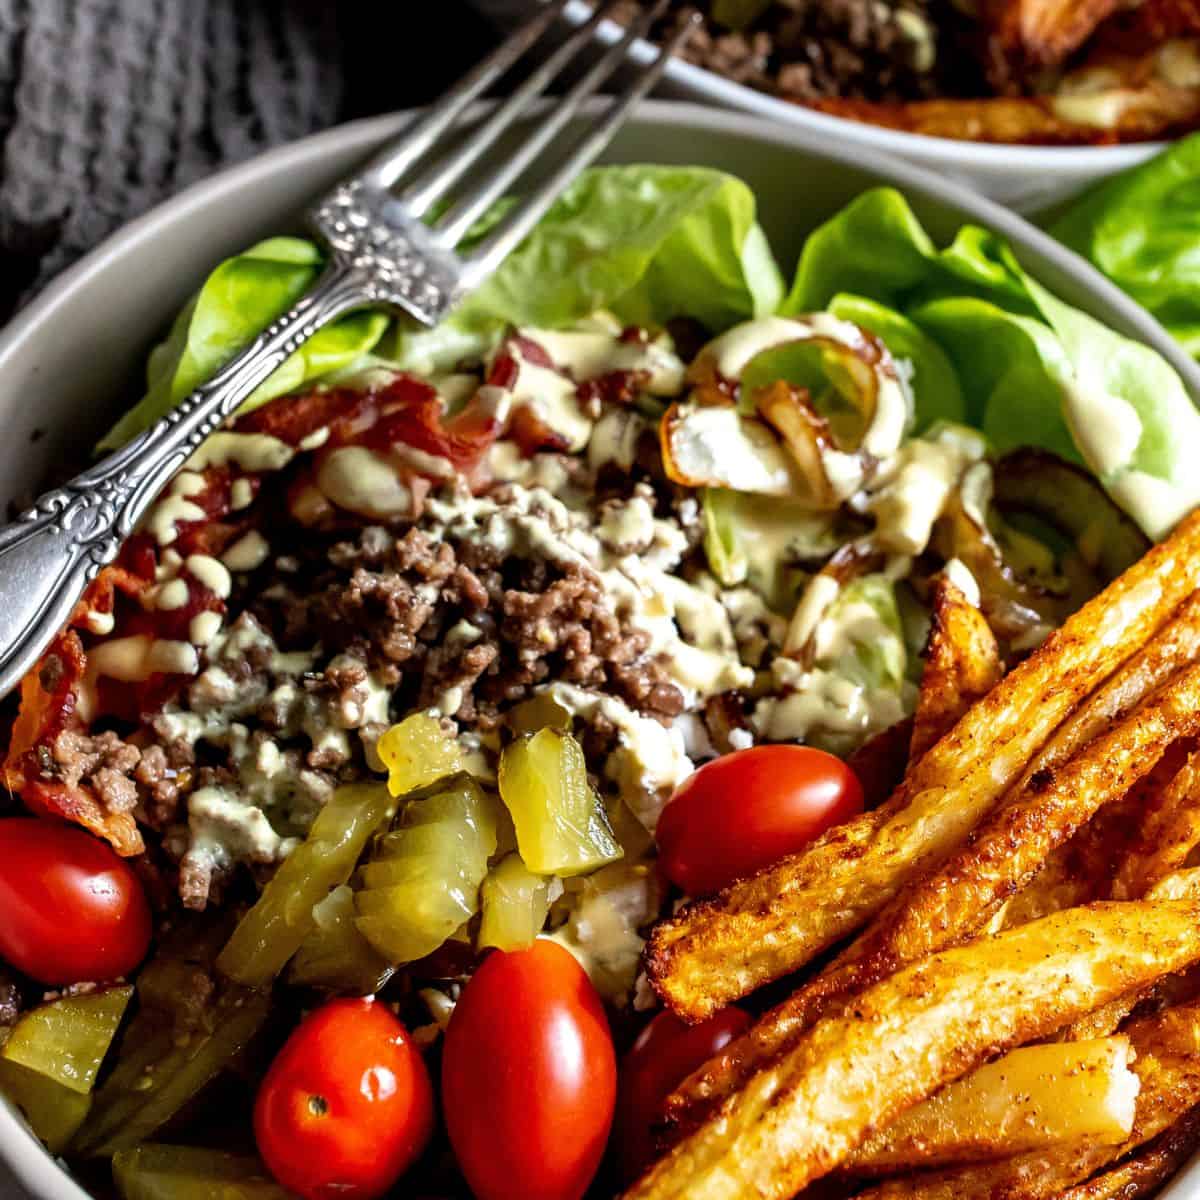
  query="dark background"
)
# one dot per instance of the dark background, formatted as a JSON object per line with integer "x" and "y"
{"x": 93, "y": 93}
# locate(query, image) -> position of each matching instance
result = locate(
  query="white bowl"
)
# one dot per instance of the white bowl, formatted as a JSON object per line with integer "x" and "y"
{"x": 74, "y": 356}
{"x": 1028, "y": 179}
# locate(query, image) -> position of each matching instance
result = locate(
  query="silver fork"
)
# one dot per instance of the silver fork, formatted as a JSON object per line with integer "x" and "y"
{"x": 380, "y": 252}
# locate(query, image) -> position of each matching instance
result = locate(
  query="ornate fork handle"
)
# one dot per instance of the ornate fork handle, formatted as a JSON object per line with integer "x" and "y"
{"x": 55, "y": 548}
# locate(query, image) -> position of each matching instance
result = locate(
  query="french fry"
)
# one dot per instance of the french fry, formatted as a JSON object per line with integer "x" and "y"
{"x": 1169, "y": 833}
{"x": 1147, "y": 1169}
{"x": 1030, "y": 1099}
{"x": 903, "y": 1038}
{"x": 952, "y": 902}
{"x": 1169, "y": 1071}
{"x": 962, "y": 664}
{"x": 714, "y": 951}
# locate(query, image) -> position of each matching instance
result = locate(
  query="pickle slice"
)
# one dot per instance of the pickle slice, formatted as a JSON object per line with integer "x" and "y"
{"x": 562, "y": 828}
{"x": 154, "y": 1171}
{"x": 66, "y": 1040}
{"x": 423, "y": 879}
{"x": 418, "y": 752}
{"x": 160, "y": 1067}
{"x": 515, "y": 903}
{"x": 335, "y": 955}
{"x": 273, "y": 930}
{"x": 53, "y": 1112}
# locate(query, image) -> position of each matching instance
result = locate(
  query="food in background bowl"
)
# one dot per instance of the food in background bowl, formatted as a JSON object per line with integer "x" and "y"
{"x": 388, "y": 695}
{"x": 1052, "y": 72}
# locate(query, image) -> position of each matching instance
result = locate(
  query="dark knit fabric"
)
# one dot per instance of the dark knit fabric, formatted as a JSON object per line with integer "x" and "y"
{"x": 109, "y": 106}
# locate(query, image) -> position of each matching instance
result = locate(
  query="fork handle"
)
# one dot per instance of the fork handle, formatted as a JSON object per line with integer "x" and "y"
{"x": 50, "y": 553}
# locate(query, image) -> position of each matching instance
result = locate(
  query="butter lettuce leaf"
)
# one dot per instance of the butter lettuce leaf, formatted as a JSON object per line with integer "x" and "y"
{"x": 237, "y": 301}
{"x": 1032, "y": 369}
{"x": 1142, "y": 229}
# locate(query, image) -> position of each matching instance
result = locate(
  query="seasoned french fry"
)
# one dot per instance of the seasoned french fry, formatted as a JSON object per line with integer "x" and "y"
{"x": 1147, "y": 1169}
{"x": 762, "y": 928}
{"x": 1170, "y": 831}
{"x": 906, "y": 1036}
{"x": 952, "y": 902}
{"x": 962, "y": 663}
{"x": 1170, "y": 1087}
{"x": 1030, "y": 1099}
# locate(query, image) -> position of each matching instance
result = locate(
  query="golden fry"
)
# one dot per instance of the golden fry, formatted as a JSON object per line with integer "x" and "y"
{"x": 1170, "y": 831}
{"x": 1147, "y": 1169}
{"x": 762, "y": 928}
{"x": 962, "y": 664}
{"x": 1169, "y": 1071}
{"x": 906, "y": 1036}
{"x": 954, "y": 901}
{"x": 1029, "y": 1099}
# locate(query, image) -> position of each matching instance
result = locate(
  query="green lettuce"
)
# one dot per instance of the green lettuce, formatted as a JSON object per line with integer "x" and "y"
{"x": 649, "y": 243}
{"x": 1033, "y": 370}
{"x": 237, "y": 301}
{"x": 1142, "y": 229}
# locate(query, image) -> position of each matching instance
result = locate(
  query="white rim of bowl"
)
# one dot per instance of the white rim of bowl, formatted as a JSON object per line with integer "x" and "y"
{"x": 39, "y": 1173}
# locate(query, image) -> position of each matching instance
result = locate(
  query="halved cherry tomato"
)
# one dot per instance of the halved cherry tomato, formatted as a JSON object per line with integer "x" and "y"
{"x": 529, "y": 1077}
{"x": 73, "y": 911}
{"x": 748, "y": 809}
{"x": 666, "y": 1052}
{"x": 346, "y": 1107}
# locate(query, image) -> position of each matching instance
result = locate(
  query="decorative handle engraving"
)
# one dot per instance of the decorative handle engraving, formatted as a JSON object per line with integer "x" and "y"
{"x": 53, "y": 550}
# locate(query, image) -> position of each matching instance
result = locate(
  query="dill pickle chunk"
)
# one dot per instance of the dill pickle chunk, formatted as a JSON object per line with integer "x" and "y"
{"x": 562, "y": 828}
{"x": 52, "y": 1111}
{"x": 274, "y": 929}
{"x": 515, "y": 903}
{"x": 68, "y": 1038}
{"x": 540, "y": 711}
{"x": 335, "y": 955}
{"x": 422, "y": 881}
{"x": 154, "y": 1171}
{"x": 160, "y": 1067}
{"x": 418, "y": 752}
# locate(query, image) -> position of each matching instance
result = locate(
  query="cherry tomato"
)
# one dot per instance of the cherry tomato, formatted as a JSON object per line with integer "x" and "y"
{"x": 74, "y": 912}
{"x": 666, "y": 1052}
{"x": 529, "y": 1077}
{"x": 748, "y": 809}
{"x": 346, "y": 1107}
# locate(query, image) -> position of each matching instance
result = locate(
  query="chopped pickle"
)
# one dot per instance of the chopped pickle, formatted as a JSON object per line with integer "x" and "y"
{"x": 418, "y": 752}
{"x": 159, "y": 1172}
{"x": 422, "y": 881}
{"x": 53, "y": 1112}
{"x": 515, "y": 903}
{"x": 161, "y": 1066}
{"x": 562, "y": 828}
{"x": 67, "y": 1039}
{"x": 273, "y": 930}
{"x": 335, "y": 955}
{"x": 541, "y": 711}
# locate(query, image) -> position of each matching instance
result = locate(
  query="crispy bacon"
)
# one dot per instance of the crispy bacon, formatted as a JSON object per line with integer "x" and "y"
{"x": 49, "y": 707}
{"x": 291, "y": 419}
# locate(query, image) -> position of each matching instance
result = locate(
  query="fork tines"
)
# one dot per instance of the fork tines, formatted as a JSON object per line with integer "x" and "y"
{"x": 436, "y": 183}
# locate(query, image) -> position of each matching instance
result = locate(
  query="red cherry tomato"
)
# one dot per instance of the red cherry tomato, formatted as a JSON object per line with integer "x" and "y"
{"x": 529, "y": 1077}
{"x": 748, "y": 809}
{"x": 346, "y": 1107}
{"x": 73, "y": 911}
{"x": 666, "y": 1052}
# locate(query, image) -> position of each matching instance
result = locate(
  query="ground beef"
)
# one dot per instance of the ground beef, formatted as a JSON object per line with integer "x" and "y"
{"x": 10, "y": 999}
{"x": 451, "y": 624}
{"x": 806, "y": 50}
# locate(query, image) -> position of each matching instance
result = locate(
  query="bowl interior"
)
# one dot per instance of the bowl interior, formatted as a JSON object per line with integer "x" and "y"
{"x": 71, "y": 360}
